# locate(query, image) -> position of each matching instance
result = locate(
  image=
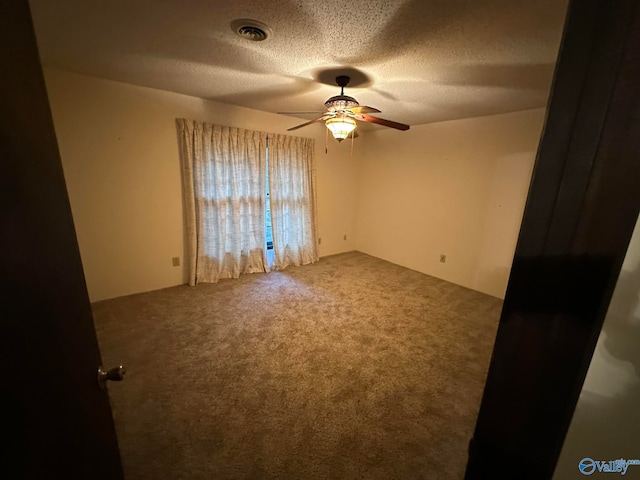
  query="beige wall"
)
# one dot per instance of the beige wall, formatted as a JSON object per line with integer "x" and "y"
{"x": 118, "y": 145}
{"x": 456, "y": 188}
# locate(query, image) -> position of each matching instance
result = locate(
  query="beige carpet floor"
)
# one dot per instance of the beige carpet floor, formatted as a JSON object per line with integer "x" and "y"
{"x": 350, "y": 368}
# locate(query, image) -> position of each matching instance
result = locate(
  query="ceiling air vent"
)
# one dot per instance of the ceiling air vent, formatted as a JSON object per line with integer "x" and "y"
{"x": 251, "y": 29}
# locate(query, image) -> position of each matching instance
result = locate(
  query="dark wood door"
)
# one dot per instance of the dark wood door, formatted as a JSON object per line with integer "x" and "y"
{"x": 55, "y": 421}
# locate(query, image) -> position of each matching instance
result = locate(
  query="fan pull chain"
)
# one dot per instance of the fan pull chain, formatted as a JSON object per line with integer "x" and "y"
{"x": 353, "y": 136}
{"x": 326, "y": 139}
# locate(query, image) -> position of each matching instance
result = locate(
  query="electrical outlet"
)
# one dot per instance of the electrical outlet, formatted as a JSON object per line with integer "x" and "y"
{"x": 345, "y": 236}
{"x": 319, "y": 240}
{"x": 176, "y": 261}
{"x": 443, "y": 258}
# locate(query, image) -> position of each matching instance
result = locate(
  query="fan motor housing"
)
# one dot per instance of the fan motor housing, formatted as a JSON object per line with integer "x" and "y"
{"x": 340, "y": 102}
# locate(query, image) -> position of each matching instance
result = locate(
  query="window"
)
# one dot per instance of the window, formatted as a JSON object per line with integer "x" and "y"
{"x": 249, "y": 208}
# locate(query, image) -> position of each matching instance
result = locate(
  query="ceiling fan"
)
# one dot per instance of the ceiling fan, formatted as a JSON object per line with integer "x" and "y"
{"x": 342, "y": 113}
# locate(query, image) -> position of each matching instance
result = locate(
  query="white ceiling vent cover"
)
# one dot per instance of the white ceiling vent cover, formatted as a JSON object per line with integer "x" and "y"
{"x": 251, "y": 29}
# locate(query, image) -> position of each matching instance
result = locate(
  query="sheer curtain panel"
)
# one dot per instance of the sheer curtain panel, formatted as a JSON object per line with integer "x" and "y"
{"x": 292, "y": 193}
{"x": 223, "y": 177}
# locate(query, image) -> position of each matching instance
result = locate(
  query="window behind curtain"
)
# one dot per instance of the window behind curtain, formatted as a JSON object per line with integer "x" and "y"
{"x": 223, "y": 185}
{"x": 225, "y": 188}
{"x": 293, "y": 200}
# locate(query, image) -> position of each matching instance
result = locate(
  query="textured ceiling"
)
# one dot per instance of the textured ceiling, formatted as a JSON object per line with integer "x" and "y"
{"x": 418, "y": 61}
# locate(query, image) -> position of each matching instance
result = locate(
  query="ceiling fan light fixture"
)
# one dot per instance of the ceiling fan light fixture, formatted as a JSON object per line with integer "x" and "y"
{"x": 341, "y": 126}
{"x": 342, "y": 112}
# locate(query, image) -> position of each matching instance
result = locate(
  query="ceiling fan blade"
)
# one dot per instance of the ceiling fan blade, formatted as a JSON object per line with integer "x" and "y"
{"x": 381, "y": 121}
{"x": 364, "y": 109}
{"x": 305, "y": 124}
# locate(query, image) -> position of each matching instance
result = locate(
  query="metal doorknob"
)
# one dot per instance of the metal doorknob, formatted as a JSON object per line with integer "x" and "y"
{"x": 115, "y": 374}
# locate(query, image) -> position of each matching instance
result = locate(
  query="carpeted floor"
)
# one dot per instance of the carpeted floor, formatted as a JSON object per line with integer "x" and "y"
{"x": 350, "y": 368}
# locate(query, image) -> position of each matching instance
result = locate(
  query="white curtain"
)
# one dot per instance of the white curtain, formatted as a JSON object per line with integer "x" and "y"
{"x": 223, "y": 176}
{"x": 292, "y": 192}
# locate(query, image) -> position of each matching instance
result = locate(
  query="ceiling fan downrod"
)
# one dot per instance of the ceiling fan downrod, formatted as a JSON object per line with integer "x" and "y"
{"x": 342, "y": 81}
